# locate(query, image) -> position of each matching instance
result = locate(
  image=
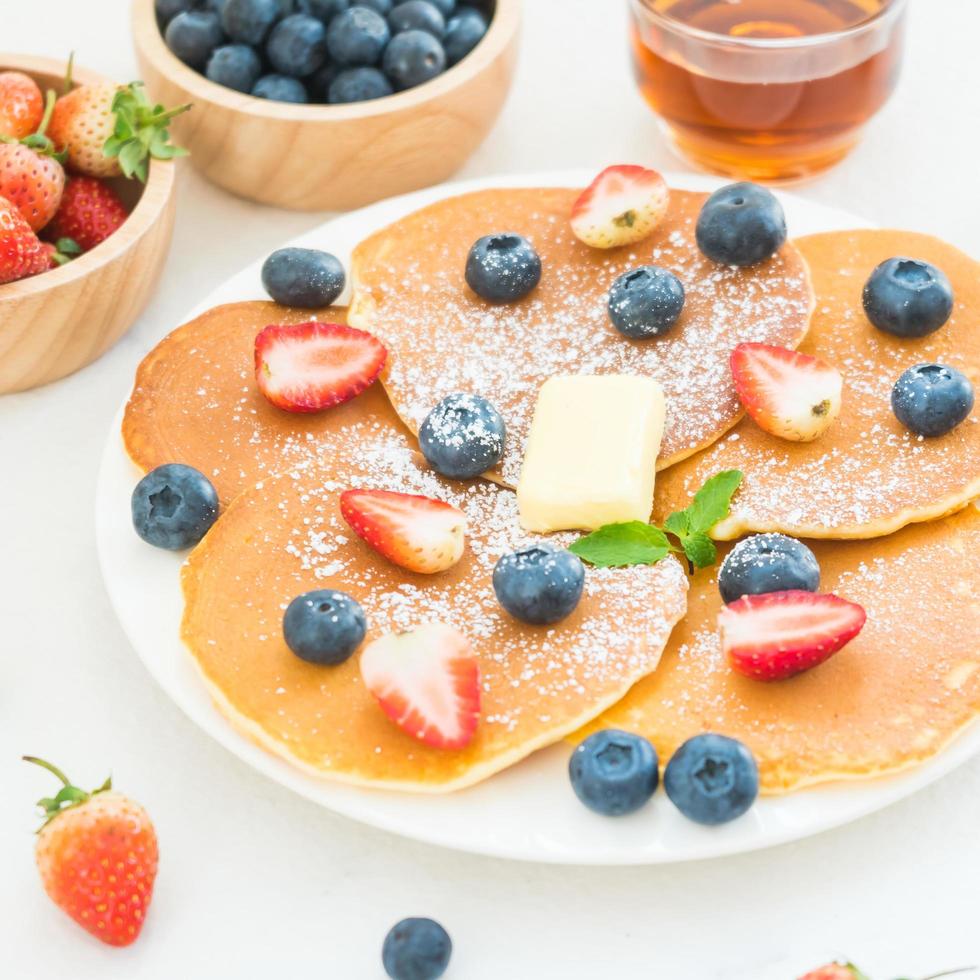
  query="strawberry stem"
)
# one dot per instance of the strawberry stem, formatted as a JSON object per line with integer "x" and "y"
{"x": 49, "y": 766}
{"x": 69, "y": 81}
{"x": 67, "y": 797}
{"x": 49, "y": 101}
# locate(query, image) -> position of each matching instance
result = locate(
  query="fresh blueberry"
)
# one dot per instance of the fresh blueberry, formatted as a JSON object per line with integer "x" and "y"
{"x": 357, "y": 36}
{"x": 464, "y": 31}
{"x": 416, "y": 949}
{"x": 193, "y": 35}
{"x": 235, "y": 66}
{"x": 323, "y": 10}
{"x": 741, "y": 224}
{"x": 908, "y": 298}
{"x": 166, "y": 10}
{"x": 412, "y": 58}
{"x": 932, "y": 399}
{"x": 303, "y": 277}
{"x": 297, "y": 45}
{"x": 613, "y": 772}
{"x": 540, "y": 584}
{"x": 445, "y": 7}
{"x": 324, "y": 627}
{"x": 280, "y": 88}
{"x": 248, "y": 21}
{"x": 646, "y": 302}
{"x": 382, "y": 7}
{"x": 463, "y": 436}
{"x": 359, "y": 85}
{"x": 174, "y": 506}
{"x": 712, "y": 779}
{"x": 503, "y": 267}
{"x": 768, "y": 563}
{"x": 417, "y": 15}
{"x": 218, "y": 6}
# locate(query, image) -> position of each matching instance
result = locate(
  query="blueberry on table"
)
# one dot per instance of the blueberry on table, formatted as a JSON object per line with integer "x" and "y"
{"x": 766, "y": 563}
{"x": 324, "y": 627}
{"x": 464, "y": 31}
{"x": 463, "y": 436}
{"x": 357, "y": 36}
{"x": 297, "y": 45}
{"x": 412, "y": 58}
{"x": 712, "y": 779}
{"x": 645, "y": 302}
{"x": 166, "y": 10}
{"x": 249, "y": 21}
{"x": 540, "y": 584}
{"x": 416, "y": 949}
{"x": 235, "y": 66}
{"x": 932, "y": 399}
{"x": 908, "y": 298}
{"x": 614, "y": 772}
{"x": 174, "y": 506}
{"x": 741, "y": 224}
{"x": 417, "y": 15}
{"x": 358, "y": 85}
{"x": 503, "y": 267}
{"x": 193, "y": 35}
{"x": 280, "y": 88}
{"x": 303, "y": 277}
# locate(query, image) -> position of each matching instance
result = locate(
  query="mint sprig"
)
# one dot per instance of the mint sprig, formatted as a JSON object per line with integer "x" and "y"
{"x": 636, "y": 543}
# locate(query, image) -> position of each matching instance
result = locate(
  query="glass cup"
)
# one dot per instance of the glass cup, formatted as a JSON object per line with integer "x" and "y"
{"x": 767, "y": 90}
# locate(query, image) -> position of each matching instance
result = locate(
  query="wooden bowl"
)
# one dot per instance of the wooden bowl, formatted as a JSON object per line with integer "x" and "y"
{"x": 333, "y": 157}
{"x": 57, "y": 322}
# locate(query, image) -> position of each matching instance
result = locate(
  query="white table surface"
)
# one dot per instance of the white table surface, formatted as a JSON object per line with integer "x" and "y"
{"x": 257, "y": 882}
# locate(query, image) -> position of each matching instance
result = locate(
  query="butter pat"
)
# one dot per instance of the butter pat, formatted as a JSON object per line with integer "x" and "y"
{"x": 591, "y": 453}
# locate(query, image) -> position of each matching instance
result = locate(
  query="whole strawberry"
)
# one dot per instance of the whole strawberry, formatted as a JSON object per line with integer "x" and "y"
{"x": 21, "y": 252}
{"x": 90, "y": 212}
{"x": 835, "y": 971}
{"x": 97, "y": 854}
{"x": 21, "y": 105}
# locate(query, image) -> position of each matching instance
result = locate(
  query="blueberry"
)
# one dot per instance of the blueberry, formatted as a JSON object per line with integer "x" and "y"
{"x": 357, "y": 36}
{"x": 908, "y": 298}
{"x": 741, "y": 224}
{"x": 174, "y": 506}
{"x": 235, "y": 66}
{"x": 464, "y": 31}
{"x": 318, "y": 84}
{"x": 218, "y": 6}
{"x": 248, "y": 21}
{"x": 324, "y": 627}
{"x": 463, "y": 436}
{"x": 932, "y": 399}
{"x": 297, "y": 45}
{"x": 193, "y": 35}
{"x": 614, "y": 772}
{"x": 645, "y": 302}
{"x": 359, "y": 85}
{"x": 540, "y": 584}
{"x": 416, "y": 949}
{"x": 280, "y": 88}
{"x": 324, "y": 10}
{"x": 412, "y": 58}
{"x": 712, "y": 779}
{"x": 768, "y": 563}
{"x": 445, "y": 7}
{"x": 503, "y": 267}
{"x": 382, "y": 7}
{"x": 304, "y": 277}
{"x": 417, "y": 15}
{"x": 166, "y": 10}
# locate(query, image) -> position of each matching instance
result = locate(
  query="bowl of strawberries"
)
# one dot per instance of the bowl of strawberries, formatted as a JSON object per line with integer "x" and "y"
{"x": 86, "y": 214}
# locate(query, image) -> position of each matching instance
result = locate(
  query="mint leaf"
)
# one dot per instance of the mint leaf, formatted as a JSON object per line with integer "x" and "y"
{"x": 700, "y": 550}
{"x": 712, "y": 503}
{"x": 678, "y": 524}
{"x": 615, "y": 545}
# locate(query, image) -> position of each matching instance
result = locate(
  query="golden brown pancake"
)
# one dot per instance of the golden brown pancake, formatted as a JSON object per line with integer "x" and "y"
{"x": 867, "y": 475}
{"x": 409, "y": 289}
{"x": 893, "y": 697}
{"x": 287, "y": 537}
{"x": 195, "y": 401}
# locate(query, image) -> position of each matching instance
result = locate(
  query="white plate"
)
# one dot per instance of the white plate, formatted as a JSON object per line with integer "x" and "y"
{"x": 528, "y": 812}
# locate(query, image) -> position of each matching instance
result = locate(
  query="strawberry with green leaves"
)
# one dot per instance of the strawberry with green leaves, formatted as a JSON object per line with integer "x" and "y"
{"x": 848, "y": 971}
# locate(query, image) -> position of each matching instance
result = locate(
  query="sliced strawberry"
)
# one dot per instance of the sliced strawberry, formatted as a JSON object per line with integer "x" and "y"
{"x": 621, "y": 206}
{"x": 788, "y": 394}
{"x": 774, "y": 636}
{"x": 307, "y": 367}
{"x": 427, "y": 682}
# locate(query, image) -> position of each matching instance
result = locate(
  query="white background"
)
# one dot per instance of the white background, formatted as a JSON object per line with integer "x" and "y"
{"x": 255, "y": 882}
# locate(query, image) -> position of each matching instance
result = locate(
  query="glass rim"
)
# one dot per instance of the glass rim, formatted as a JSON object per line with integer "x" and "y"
{"x": 892, "y": 10}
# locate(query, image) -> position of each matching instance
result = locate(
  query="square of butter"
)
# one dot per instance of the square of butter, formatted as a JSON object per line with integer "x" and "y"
{"x": 591, "y": 453}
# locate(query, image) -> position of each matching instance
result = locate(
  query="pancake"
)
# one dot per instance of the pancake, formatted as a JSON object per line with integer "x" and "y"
{"x": 195, "y": 401}
{"x": 287, "y": 536}
{"x": 409, "y": 289}
{"x": 893, "y": 697}
{"x": 867, "y": 475}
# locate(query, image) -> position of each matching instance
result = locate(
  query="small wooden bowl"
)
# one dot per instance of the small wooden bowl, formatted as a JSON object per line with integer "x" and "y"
{"x": 337, "y": 157}
{"x": 57, "y": 322}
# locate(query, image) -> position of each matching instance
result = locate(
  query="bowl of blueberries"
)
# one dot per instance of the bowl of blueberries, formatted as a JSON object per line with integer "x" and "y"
{"x": 329, "y": 104}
